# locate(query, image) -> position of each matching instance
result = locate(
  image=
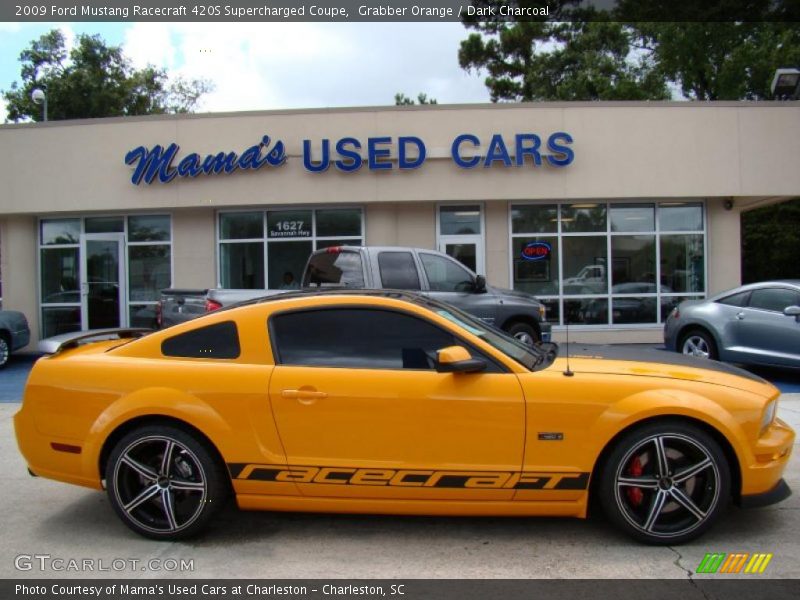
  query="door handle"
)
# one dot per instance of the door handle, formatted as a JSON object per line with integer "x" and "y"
{"x": 740, "y": 316}
{"x": 304, "y": 394}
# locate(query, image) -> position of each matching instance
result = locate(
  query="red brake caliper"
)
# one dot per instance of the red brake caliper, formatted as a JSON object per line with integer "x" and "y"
{"x": 635, "y": 494}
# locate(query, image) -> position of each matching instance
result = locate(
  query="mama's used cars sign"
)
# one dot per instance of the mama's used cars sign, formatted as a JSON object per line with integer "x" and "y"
{"x": 348, "y": 154}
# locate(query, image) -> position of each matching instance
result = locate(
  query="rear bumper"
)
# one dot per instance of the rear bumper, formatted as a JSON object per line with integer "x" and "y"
{"x": 777, "y": 494}
{"x": 20, "y": 339}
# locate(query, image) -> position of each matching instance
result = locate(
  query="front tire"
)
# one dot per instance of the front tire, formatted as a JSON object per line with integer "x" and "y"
{"x": 699, "y": 343}
{"x": 665, "y": 483}
{"x": 5, "y": 351}
{"x": 523, "y": 332}
{"x": 164, "y": 483}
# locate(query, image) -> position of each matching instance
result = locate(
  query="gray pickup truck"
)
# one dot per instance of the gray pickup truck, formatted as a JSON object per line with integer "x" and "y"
{"x": 387, "y": 267}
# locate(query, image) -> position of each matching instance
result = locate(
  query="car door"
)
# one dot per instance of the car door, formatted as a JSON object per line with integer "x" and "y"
{"x": 764, "y": 333}
{"x": 448, "y": 281}
{"x": 362, "y": 413}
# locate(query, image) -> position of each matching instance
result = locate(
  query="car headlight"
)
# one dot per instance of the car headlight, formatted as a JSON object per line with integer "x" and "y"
{"x": 769, "y": 415}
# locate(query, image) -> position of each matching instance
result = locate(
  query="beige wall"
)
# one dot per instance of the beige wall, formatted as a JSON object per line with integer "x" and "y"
{"x": 193, "y": 249}
{"x": 622, "y": 150}
{"x": 18, "y": 256}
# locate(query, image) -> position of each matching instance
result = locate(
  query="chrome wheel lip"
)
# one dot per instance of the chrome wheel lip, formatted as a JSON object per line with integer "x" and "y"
{"x": 156, "y": 489}
{"x": 664, "y": 489}
{"x": 695, "y": 345}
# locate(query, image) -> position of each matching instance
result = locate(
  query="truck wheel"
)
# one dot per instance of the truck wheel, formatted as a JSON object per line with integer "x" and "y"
{"x": 5, "y": 351}
{"x": 524, "y": 333}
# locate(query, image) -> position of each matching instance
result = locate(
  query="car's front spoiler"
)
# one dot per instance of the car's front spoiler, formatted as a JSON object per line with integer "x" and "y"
{"x": 780, "y": 492}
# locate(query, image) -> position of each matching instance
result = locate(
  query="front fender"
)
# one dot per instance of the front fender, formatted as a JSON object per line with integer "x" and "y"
{"x": 156, "y": 401}
{"x": 650, "y": 404}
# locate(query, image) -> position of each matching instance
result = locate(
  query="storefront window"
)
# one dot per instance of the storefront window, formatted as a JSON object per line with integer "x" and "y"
{"x": 609, "y": 263}
{"x": 74, "y": 274}
{"x": 459, "y": 220}
{"x": 252, "y": 257}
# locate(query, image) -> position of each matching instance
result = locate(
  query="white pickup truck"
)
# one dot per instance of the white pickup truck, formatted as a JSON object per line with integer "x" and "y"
{"x": 429, "y": 272}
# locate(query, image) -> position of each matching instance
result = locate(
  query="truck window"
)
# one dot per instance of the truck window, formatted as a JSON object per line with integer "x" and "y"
{"x": 334, "y": 267}
{"x": 445, "y": 275}
{"x": 398, "y": 271}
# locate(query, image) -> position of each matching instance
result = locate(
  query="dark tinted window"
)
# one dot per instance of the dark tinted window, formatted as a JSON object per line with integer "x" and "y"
{"x": 220, "y": 340}
{"x": 357, "y": 338}
{"x": 739, "y": 299}
{"x": 334, "y": 268}
{"x": 398, "y": 270}
{"x": 774, "y": 299}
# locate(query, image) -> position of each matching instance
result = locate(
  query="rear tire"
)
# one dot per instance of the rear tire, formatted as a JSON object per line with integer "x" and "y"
{"x": 665, "y": 483}
{"x": 164, "y": 483}
{"x": 524, "y": 333}
{"x": 699, "y": 343}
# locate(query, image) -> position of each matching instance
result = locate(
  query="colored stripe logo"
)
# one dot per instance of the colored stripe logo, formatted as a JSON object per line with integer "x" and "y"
{"x": 734, "y": 563}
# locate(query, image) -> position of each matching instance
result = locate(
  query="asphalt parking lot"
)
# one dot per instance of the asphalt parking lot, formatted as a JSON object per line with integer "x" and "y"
{"x": 42, "y": 517}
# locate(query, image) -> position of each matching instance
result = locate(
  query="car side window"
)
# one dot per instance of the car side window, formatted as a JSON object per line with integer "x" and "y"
{"x": 358, "y": 338}
{"x": 398, "y": 270}
{"x": 445, "y": 275}
{"x": 220, "y": 340}
{"x": 774, "y": 299}
{"x": 739, "y": 299}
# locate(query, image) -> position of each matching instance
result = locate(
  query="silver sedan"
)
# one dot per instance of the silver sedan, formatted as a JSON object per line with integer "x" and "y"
{"x": 754, "y": 324}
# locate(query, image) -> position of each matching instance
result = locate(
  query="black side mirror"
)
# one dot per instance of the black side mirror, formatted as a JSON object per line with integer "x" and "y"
{"x": 792, "y": 311}
{"x": 480, "y": 284}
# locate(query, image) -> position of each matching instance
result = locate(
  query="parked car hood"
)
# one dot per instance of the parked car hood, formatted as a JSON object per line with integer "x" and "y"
{"x": 514, "y": 294}
{"x": 654, "y": 362}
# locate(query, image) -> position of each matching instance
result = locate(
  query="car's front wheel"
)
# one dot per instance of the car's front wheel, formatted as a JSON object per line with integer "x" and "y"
{"x": 5, "y": 351}
{"x": 164, "y": 483}
{"x": 665, "y": 483}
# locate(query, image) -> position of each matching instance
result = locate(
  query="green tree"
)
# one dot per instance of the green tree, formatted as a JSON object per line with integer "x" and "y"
{"x": 400, "y": 99}
{"x": 93, "y": 80}
{"x": 582, "y": 60}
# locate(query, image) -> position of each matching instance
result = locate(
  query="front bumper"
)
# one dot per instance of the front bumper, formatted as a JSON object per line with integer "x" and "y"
{"x": 780, "y": 492}
{"x": 546, "y": 331}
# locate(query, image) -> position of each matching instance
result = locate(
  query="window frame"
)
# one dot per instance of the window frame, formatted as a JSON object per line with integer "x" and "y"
{"x": 493, "y": 365}
{"x": 265, "y": 240}
{"x": 561, "y": 298}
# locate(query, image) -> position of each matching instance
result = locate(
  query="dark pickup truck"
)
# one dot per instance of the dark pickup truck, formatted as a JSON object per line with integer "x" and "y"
{"x": 387, "y": 267}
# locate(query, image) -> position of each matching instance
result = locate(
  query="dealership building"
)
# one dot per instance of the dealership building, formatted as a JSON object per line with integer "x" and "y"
{"x": 610, "y": 212}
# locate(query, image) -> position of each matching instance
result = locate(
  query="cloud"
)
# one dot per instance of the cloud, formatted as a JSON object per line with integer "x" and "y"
{"x": 257, "y": 66}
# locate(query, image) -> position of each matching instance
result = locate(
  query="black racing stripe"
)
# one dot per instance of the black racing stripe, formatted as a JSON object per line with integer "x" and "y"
{"x": 574, "y": 483}
{"x": 265, "y": 473}
{"x": 235, "y": 469}
{"x": 652, "y": 355}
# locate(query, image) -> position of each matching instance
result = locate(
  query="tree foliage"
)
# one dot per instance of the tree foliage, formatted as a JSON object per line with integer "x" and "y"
{"x": 642, "y": 55}
{"x": 400, "y": 99}
{"x": 92, "y": 80}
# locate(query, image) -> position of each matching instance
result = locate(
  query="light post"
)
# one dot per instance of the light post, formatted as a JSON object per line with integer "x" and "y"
{"x": 786, "y": 84}
{"x": 39, "y": 96}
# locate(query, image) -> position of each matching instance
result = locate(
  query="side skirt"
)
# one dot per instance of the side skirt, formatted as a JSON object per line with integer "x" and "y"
{"x": 576, "y": 508}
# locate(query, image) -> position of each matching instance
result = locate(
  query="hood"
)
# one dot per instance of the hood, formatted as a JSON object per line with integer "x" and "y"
{"x": 654, "y": 362}
{"x": 514, "y": 294}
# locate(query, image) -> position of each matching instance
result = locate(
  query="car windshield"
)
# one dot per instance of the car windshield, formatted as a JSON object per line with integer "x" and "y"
{"x": 534, "y": 358}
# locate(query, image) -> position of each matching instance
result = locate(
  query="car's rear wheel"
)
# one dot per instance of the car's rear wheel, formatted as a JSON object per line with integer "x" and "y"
{"x": 698, "y": 342}
{"x": 523, "y": 332}
{"x": 164, "y": 483}
{"x": 5, "y": 351}
{"x": 665, "y": 483}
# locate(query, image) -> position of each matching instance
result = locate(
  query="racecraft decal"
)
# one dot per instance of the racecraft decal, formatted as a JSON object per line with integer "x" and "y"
{"x": 525, "y": 480}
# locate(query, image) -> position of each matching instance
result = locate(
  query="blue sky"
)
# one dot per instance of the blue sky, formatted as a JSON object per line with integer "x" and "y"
{"x": 283, "y": 65}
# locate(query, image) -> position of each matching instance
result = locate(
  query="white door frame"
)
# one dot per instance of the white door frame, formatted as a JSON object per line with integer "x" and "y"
{"x": 119, "y": 238}
{"x": 479, "y": 239}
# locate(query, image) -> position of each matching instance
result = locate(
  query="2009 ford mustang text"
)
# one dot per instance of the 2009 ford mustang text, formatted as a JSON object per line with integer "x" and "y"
{"x": 388, "y": 402}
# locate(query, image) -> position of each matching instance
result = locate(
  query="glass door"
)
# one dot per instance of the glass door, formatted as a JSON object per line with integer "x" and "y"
{"x": 103, "y": 281}
{"x": 460, "y": 235}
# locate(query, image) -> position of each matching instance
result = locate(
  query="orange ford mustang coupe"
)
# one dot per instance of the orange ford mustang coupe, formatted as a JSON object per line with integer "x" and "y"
{"x": 387, "y": 402}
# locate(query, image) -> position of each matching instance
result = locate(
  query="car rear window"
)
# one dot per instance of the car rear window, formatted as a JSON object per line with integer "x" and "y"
{"x": 220, "y": 340}
{"x": 739, "y": 299}
{"x": 334, "y": 268}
